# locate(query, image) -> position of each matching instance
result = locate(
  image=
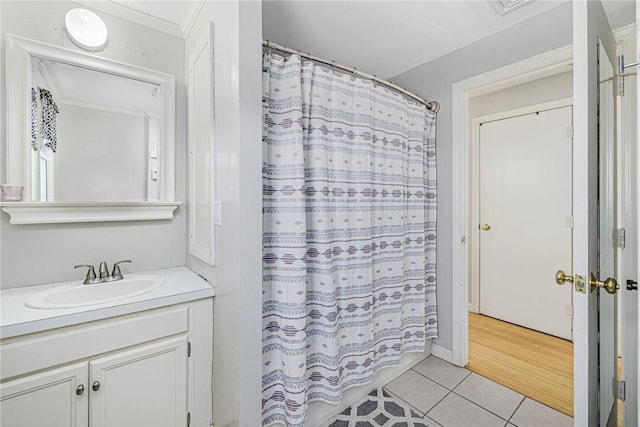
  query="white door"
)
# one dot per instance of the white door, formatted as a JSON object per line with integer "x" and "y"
{"x": 594, "y": 51}
{"x": 608, "y": 254}
{"x": 525, "y": 219}
{"x": 629, "y": 190}
{"x": 630, "y": 321}
{"x": 53, "y": 398}
{"x": 145, "y": 386}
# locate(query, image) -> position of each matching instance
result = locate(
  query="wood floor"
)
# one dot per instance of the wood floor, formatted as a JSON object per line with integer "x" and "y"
{"x": 534, "y": 364}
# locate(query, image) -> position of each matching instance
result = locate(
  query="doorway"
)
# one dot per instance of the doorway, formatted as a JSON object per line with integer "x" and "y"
{"x": 520, "y": 321}
{"x": 462, "y": 93}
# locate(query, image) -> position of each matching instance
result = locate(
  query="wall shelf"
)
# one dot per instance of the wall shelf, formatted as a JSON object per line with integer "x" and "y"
{"x": 53, "y": 213}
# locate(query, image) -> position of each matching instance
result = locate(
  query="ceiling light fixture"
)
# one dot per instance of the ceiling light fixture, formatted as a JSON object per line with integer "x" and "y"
{"x": 86, "y": 29}
{"x": 505, "y": 6}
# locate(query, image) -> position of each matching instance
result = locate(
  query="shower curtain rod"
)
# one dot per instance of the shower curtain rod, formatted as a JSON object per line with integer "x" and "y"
{"x": 431, "y": 105}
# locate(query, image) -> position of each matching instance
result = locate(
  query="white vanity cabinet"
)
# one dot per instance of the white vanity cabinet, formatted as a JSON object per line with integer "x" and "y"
{"x": 133, "y": 370}
{"x": 145, "y": 386}
{"x": 48, "y": 398}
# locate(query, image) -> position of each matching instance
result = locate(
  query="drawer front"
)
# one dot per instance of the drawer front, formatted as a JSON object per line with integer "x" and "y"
{"x": 77, "y": 343}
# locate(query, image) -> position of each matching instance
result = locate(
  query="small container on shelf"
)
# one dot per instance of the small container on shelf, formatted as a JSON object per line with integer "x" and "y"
{"x": 11, "y": 193}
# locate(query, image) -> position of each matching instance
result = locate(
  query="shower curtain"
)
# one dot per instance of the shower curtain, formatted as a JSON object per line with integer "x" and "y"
{"x": 349, "y": 233}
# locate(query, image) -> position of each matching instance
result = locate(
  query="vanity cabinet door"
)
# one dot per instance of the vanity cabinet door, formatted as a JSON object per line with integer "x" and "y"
{"x": 53, "y": 398}
{"x": 144, "y": 386}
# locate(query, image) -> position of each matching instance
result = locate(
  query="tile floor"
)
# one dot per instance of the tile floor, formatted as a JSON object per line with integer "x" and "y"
{"x": 435, "y": 393}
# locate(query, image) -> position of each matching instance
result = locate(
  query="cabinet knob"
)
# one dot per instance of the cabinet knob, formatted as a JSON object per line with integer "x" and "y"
{"x": 80, "y": 390}
{"x": 96, "y": 386}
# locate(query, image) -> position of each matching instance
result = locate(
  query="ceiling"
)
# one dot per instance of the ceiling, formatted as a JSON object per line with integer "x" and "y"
{"x": 175, "y": 11}
{"x": 75, "y": 84}
{"x": 385, "y": 38}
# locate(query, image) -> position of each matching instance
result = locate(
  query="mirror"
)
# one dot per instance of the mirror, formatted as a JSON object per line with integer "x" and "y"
{"x": 94, "y": 135}
{"x": 85, "y": 130}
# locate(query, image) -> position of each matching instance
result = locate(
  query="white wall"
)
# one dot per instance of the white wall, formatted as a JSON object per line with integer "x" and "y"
{"x": 558, "y": 86}
{"x": 238, "y": 167}
{"x": 100, "y": 156}
{"x": 34, "y": 254}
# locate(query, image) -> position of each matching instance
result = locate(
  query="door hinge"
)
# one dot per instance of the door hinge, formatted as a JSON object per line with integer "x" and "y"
{"x": 618, "y": 238}
{"x": 619, "y": 389}
{"x": 572, "y": 132}
{"x": 188, "y": 419}
{"x": 569, "y": 310}
{"x": 570, "y": 222}
{"x": 189, "y": 349}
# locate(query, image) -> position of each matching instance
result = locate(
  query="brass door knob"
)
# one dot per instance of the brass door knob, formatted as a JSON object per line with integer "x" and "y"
{"x": 562, "y": 278}
{"x": 486, "y": 227}
{"x": 610, "y": 285}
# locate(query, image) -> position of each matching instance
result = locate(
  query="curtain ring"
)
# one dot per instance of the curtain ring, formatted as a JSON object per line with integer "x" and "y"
{"x": 267, "y": 48}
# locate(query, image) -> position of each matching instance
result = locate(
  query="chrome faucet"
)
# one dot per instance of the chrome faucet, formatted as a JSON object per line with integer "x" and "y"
{"x": 91, "y": 278}
{"x": 103, "y": 273}
{"x": 116, "y": 273}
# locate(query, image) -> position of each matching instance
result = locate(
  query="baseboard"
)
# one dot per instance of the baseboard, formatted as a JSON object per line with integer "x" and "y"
{"x": 319, "y": 412}
{"x": 442, "y": 353}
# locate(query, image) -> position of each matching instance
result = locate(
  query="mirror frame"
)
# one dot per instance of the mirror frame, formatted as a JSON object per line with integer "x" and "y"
{"x": 19, "y": 167}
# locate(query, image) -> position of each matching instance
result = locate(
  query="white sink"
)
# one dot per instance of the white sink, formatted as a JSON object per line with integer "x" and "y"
{"x": 78, "y": 295}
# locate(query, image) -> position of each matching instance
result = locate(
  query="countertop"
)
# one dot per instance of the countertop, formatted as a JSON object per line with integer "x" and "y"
{"x": 180, "y": 285}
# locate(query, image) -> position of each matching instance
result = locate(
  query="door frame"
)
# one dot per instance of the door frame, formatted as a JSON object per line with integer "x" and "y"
{"x": 636, "y": 401}
{"x": 474, "y": 233}
{"x": 536, "y": 67}
{"x": 628, "y": 41}
{"x": 543, "y": 65}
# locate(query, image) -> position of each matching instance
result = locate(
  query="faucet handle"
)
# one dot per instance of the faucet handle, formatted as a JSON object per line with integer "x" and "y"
{"x": 116, "y": 274}
{"x": 91, "y": 273}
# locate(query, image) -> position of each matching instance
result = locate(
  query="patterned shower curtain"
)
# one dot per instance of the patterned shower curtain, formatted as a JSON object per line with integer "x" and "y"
{"x": 349, "y": 233}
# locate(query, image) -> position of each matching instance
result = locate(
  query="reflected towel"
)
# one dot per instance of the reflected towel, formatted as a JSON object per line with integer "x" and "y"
{"x": 49, "y": 116}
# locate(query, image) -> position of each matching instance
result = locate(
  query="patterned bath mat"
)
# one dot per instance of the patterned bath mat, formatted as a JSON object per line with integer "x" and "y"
{"x": 378, "y": 409}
